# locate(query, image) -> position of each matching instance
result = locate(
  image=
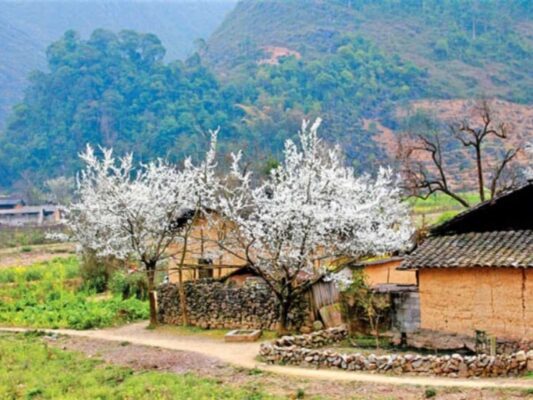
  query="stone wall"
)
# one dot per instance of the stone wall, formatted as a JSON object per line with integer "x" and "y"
{"x": 300, "y": 350}
{"x": 212, "y": 305}
{"x": 437, "y": 340}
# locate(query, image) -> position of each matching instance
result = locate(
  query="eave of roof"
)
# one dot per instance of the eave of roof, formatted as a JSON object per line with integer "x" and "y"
{"x": 507, "y": 249}
{"x": 446, "y": 227}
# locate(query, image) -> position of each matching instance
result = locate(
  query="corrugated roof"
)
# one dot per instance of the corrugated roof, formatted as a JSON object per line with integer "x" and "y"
{"x": 474, "y": 249}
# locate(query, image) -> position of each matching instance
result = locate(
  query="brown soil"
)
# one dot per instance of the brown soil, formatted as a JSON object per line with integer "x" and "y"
{"x": 16, "y": 257}
{"x": 275, "y": 53}
{"x": 518, "y": 119}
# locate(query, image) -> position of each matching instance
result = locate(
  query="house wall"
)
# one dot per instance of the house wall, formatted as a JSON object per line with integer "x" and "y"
{"x": 202, "y": 245}
{"x": 386, "y": 272}
{"x": 462, "y": 300}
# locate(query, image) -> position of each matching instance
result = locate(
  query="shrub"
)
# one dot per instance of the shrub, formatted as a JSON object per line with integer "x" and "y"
{"x": 430, "y": 393}
{"x": 129, "y": 285}
{"x": 96, "y": 271}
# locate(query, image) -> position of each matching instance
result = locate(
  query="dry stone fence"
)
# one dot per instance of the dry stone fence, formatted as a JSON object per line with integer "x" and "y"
{"x": 304, "y": 350}
{"x": 213, "y": 304}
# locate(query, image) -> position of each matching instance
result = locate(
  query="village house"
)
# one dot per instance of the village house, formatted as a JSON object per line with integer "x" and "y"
{"x": 475, "y": 272}
{"x": 10, "y": 203}
{"x": 203, "y": 257}
{"x": 381, "y": 272}
{"x": 15, "y": 212}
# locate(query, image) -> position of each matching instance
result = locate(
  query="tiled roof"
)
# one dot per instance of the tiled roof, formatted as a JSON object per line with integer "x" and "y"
{"x": 474, "y": 249}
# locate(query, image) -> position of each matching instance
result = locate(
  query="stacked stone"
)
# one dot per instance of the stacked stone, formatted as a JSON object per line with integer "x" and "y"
{"x": 302, "y": 350}
{"x": 215, "y": 305}
{"x": 313, "y": 340}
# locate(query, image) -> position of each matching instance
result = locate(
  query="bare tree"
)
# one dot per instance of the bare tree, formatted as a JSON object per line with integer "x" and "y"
{"x": 427, "y": 170}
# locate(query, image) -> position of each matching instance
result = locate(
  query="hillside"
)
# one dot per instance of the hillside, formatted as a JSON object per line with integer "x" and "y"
{"x": 28, "y": 27}
{"x": 468, "y": 48}
{"x": 269, "y": 65}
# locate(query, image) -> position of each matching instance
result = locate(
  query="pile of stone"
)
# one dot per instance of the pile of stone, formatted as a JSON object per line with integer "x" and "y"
{"x": 313, "y": 340}
{"x": 302, "y": 350}
{"x": 214, "y": 305}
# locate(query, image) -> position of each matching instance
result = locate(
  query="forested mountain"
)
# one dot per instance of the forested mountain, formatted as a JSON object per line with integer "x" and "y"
{"x": 468, "y": 47}
{"x": 28, "y": 27}
{"x": 270, "y": 64}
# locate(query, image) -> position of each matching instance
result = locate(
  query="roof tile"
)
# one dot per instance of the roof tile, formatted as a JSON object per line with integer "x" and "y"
{"x": 474, "y": 249}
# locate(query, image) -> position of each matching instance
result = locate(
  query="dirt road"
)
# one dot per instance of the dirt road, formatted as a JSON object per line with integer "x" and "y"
{"x": 244, "y": 355}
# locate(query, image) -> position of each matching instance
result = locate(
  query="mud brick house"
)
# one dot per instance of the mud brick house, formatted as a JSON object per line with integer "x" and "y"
{"x": 204, "y": 258}
{"x": 385, "y": 277}
{"x": 475, "y": 272}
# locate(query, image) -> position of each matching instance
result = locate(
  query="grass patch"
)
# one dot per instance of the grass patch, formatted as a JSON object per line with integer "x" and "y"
{"x": 441, "y": 203}
{"x": 32, "y": 370}
{"x": 24, "y": 236}
{"x": 48, "y": 295}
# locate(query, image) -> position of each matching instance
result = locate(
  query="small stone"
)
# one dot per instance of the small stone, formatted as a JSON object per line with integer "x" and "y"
{"x": 318, "y": 325}
{"x": 305, "y": 329}
{"x": 521, "y": 356}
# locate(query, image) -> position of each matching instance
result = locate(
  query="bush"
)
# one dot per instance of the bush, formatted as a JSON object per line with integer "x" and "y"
{"x": 96, "y": 271}
{"x": 430, "y": 393}
{"x": 129, "y": 285}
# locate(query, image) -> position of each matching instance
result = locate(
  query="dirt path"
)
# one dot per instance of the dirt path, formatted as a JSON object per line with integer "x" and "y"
{"x": 244, "y": 355}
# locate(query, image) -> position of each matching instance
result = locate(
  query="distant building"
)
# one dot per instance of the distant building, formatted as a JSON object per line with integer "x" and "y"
{"x": 475, "y": 272}
{"x": 22, "y": 215}
{"x": 9, "y": 203}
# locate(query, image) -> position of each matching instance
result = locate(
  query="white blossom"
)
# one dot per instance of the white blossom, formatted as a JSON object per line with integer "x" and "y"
{"x": 313, "y": 207}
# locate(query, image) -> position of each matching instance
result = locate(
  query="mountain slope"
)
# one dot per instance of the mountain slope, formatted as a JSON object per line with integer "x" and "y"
{"x": 28, "y": 27}
{"x": 468, "y": 47}
{"x": 268, "y": 66}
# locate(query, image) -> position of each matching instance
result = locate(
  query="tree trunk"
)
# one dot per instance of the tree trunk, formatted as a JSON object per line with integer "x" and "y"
{"x": 150, "y": 269}
{"x": 283, "y": 323}
{"x": 183, "y": 298}
{"x": 480, "y": 174}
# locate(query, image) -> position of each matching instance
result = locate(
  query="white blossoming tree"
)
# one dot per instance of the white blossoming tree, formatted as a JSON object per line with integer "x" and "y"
{"x": 311, "y": 208}
{"x": 137, "y": 213}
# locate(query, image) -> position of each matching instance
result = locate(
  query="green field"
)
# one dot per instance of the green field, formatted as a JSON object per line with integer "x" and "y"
{"x": 30, "y": 369}
{"x": 439, "y": 207}
{"x": 50, "y": 295}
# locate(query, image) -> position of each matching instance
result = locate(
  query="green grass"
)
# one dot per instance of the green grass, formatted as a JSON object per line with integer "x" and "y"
{"x": 30, "y": 369}
{"x": 23, "y": 236}
{"x": 48, "y": 295}
{"x": 440, "y": 203}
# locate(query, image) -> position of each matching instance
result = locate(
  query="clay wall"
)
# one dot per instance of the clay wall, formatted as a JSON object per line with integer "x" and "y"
{"x": 462, "y": 300}
{"x": 386, "y": 272}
